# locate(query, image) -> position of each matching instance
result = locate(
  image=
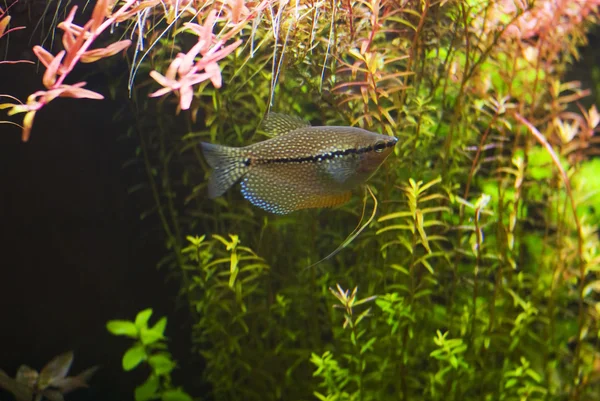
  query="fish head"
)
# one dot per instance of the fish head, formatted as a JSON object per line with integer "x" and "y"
{"x": 377, "y": 148}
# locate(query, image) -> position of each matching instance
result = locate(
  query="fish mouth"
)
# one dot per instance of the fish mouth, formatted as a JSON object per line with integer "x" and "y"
{"x": 391, "y": 142}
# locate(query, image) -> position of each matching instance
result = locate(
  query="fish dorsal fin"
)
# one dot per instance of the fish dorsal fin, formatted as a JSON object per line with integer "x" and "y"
{"x": 276, "y": 124}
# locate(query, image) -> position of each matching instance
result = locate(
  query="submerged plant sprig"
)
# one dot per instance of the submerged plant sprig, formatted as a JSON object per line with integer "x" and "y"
{"x": 415, "y": 221}
{"x": 77, "y": 41}
{"x": 149, "y": 348}
{"x": 352, "y": 386}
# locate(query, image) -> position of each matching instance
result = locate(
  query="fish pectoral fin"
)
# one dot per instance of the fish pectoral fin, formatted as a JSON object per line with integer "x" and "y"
{"x": 276, "y": 124}
{"x": 341, "y": 170}
{"x": 318, "y": 201}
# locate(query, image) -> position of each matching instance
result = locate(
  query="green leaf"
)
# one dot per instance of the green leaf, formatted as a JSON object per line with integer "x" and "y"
{"x": 122, "y": 328}
{"x": 133, "y": 357}
{"x": 368, "y": 345}
{"x": 534, "y": 375}
{"x": 156, "y": 333}
{"x": 394, "y": 216}
{"x": 147, "y": 390}
{"x": 141, "y": 320}
{"x": 149, "y": 336}
{"x": 176, "y": 395}
{"x": 430, "y": 184}
{"x": 401, "y": 269}
{"x": 419, "y": 225}
{"x": 161, "y": 363}
{"x": 319, "y": 396}
{"x": 160, "y": 326}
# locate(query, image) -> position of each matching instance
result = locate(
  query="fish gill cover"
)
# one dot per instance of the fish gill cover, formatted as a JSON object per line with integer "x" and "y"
{"x": 479, "y": 278}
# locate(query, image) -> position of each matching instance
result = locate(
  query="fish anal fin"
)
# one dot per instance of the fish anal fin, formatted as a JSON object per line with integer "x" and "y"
{"x": 319, "y": 201}
{"x": 284, "y": 189}
{"x": 276, "y": 124}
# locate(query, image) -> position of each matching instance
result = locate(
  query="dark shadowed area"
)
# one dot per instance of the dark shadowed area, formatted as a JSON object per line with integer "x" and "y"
{"x": 74, "y": 251}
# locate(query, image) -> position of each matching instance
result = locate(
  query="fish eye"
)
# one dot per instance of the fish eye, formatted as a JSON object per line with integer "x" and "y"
{"x": 379, "y": 146}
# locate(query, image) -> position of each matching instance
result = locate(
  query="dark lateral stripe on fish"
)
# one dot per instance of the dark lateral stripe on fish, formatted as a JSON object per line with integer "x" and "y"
{"x": 316, "y": 158}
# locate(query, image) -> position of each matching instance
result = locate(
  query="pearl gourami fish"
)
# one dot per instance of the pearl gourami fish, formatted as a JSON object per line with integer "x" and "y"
{"x": 300, "y": 167}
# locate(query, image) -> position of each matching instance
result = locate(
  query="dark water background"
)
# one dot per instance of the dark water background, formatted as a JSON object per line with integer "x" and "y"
{"x": 73, "y": 251}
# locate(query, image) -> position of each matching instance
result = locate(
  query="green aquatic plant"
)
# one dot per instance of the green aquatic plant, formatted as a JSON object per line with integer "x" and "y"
{"x": 346, "y": 383}
{"x": 474, "y": 260}
{"x": 150, "y": 348}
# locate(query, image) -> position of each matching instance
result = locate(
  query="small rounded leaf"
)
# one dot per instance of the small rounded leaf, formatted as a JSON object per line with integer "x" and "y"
{"x": 133, "y": 357}
{"x": 149, "y": 336}
{"x": 147, "y": 390}
{"x": 161, "y": 363}
{"x": 154, "y": 334}
{"x": 160, "y": 326}
{"x": 141, "y": 320}
{"x": 122, "y": 328}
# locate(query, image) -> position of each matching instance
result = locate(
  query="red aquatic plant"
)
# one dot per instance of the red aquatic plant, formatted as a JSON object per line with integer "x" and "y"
{"x": 189, "y": 72}
{"x": 198, "y": 64}
{"x": 4, "y": 30}
{"x": 77, "y": 41}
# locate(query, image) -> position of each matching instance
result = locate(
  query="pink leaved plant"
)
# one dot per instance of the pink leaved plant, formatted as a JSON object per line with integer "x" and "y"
{"x": 200, "y": 63}
{"x": 4, "y": 30}
{"x": 184, "y": 72}
{"x": 77, "y": 41}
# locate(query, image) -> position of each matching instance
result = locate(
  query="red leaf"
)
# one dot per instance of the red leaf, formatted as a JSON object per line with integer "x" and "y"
{"x": 72, "y": 52}
{"x": 79, "y": 93}
{"x": 160, "y": 92}
{"x": 174, "y": 67}
{"x": 94, "y": 55}
{"x": 100, "y": 12}
{"x": 49, "y": 78}
{"x": 214, "y": 71}
{"x": 164, "y": 81}
{"x": 188, "y": 59}
{"x": 214, "y": 56}
{"x": 186, "y": 96}
{"x": 27, "y": 125}
{"x": 3, "y": 24}
{"x": 44, "y": 55}
{"x": 68, "y": 40}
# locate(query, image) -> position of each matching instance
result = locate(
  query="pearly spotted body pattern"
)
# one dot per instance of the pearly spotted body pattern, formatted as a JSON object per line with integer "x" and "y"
{"x": 300, "y": 167}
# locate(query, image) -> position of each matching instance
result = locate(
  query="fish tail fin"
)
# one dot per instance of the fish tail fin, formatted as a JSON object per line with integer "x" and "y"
{"x": 229, "y": 165}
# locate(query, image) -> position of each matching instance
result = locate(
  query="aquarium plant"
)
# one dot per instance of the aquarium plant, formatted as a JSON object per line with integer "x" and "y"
{"x": 51, "y": 383}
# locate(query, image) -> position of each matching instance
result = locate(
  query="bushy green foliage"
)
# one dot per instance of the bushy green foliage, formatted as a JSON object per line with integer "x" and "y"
{"x": 476, "y": 281}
